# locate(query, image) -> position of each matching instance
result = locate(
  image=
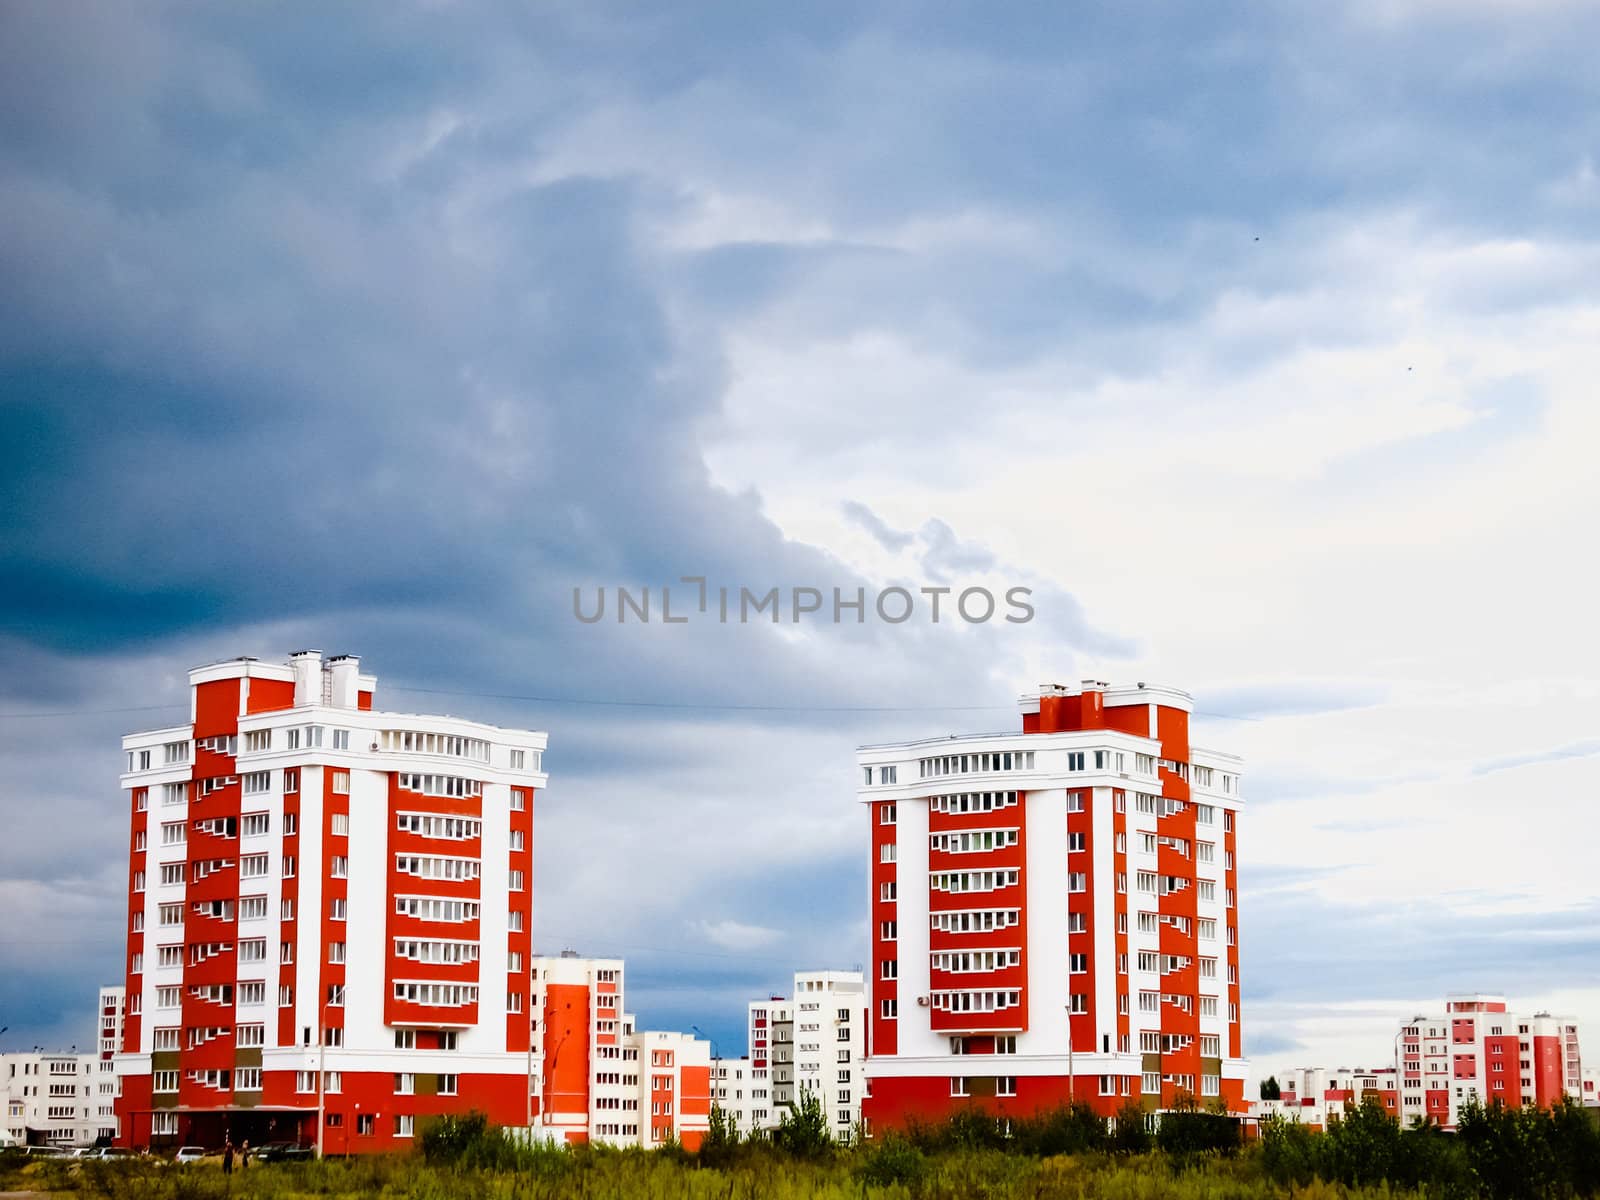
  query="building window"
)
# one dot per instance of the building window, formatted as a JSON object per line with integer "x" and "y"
{"x": 889, "y": 1008}
{"x": 1005, "y": 1085}
{"x": 958, "y": 1085}
{"x": 403, "y": 1125}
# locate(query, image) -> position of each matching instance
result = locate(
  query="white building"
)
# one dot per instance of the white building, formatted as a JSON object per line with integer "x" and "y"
{"x": 811, "y": 1042}
{"x": 738, "y": 1091}
{"x": 50, "y": 1099}
{"x": 111, "y": 1010}
{"x": 1315, "y": 1095}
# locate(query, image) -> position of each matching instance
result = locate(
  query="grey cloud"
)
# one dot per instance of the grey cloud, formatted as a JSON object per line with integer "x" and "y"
{"x": 1580, "y": 749}
{"x": 1291, "y": 698}
{"x": 891, "y": 539}
{"x": 946, "y": 556}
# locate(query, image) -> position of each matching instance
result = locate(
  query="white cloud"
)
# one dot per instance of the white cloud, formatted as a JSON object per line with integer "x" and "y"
{"x": 736, "y": 935}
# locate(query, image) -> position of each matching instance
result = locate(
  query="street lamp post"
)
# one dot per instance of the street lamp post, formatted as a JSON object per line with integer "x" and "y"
{"x": 322, "y": 1063}
{"x": 530, "y": 1070}
{"x": 1072, "y": 1075}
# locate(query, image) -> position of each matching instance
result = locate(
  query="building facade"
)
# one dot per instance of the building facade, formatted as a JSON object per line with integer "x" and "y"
{"x": 736, "y": 1090}
{"x": 813, "y": 1042}
{"x": 329, "y": 909}
{"x": 1478, "y": 1050}
{"x": 50, "y": 1099}
{"x": 111, "y": 1009}
{"x": 600, "y": 1079}
{"x": 1314, "y": 1096}
{"x": 1054, "y": 912}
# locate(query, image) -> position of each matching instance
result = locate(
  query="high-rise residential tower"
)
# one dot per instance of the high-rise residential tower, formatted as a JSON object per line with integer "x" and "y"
{"x": 1054, "y": 912}
{"x": 329, "y": 910}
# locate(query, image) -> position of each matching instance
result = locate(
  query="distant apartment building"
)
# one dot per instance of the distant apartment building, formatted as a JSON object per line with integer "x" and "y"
{"x": 111, "y": 1008}
{"x": 1054, "y": 912}
{"x": 50, "y": 1099}
{"x": 1315, "y": 1095}
{"x": 600, "y": 1079}
{"x": 328, "y": 905}
{"x": 1478, "y": 1050}
{"x": 738, "y": 1093}
{"x": 811, "y": 1042}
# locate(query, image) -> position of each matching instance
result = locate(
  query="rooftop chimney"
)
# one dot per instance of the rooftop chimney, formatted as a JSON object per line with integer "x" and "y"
{"x": 343, "y": 670}
{"x": 307, "y": 665}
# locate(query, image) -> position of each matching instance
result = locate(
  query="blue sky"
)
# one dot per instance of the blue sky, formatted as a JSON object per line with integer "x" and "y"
{"x": 1257, "y": 341}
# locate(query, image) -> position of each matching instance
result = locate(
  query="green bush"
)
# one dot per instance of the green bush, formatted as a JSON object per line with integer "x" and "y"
{"x": 893, "y": 1160}
{"x": 1073, "y": 1129}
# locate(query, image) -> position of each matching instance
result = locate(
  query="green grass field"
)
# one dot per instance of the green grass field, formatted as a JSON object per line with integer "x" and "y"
{"x": 1496, "y": 1154}
{"x": 637, "y": 1175}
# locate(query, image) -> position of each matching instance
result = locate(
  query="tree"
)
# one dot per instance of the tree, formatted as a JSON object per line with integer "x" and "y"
{"x": 1270, "y": 1089}
{"x": 803, "y": 1129}
{"x": 721, "y": 1143}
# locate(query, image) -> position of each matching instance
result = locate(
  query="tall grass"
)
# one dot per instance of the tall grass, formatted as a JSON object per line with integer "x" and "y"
{"x": 599, "y": 1174}
{"x": 1498, "y": 1154}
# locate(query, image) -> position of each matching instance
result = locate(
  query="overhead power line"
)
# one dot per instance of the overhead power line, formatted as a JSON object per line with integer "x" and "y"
{"x": 607, "y": 702}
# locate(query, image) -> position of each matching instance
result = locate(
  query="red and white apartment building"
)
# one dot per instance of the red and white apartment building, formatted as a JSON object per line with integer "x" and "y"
{"x": 330, "y": 910}
{"x": 601, "y": 1080}
{"x": 1314, "y": 1096}
{"x": 1053, "y": 912}
{"x": 1478, "y": 1050}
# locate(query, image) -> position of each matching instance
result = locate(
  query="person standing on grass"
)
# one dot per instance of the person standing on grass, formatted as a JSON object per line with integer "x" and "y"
{"x": 227, "y": 1156}
{"x": 244, "y": 1154}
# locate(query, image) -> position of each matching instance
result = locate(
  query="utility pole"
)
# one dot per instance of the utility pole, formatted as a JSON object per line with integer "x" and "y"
{"x": 322, "y": 1064}
{"x": 530, "y": 1072}
{"x": 1072, "y": 1075}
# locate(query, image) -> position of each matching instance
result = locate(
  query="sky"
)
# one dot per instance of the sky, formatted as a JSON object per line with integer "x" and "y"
{"x": 1257, "y": 340}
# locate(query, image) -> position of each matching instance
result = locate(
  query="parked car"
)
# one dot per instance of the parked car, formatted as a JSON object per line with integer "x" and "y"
{"x": 282, "y": 1152}
{"x": 189, "y": 1154}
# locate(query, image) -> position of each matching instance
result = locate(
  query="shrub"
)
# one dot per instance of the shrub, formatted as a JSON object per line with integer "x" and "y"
{"x": 1130, "y": 1134}
{"x": 894, "y": 1160}
{"x": 1071, "y": 1129}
